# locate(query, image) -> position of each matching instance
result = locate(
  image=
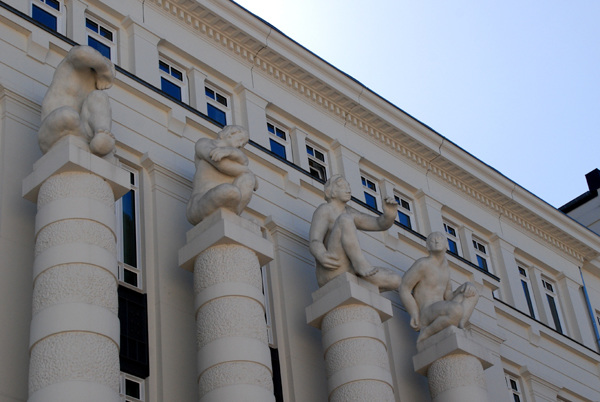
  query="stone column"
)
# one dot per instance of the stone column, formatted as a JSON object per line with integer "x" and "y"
{"x": 350, "y": 311}
{"x": 454, "y": 365}
{"x": 225, "y": 253}
{"x": 74, "y": 337}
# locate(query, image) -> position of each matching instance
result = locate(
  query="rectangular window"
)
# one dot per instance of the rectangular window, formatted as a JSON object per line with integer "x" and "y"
{"x": 370, "y": 192}
{"x": 551, "y": 299}
{"x": 278, "y": 140}
{"x": 317, "y": 163}
{"x": 481, "y": 255}
{"x": 172, "y": 81}
{"x": 133, "y": 318}
{"x": 514, "y": 388}
{"x": 100, "y": 37}
{"x": 128, "y": 242}
{"x": 404, "y": 211}
{"x": 48, "y": 13}
{"x": 453, "y": 241}
{"x": 131, "y": 388}
{"x": 217, "y": 105}
{"x": 527, "y": 292}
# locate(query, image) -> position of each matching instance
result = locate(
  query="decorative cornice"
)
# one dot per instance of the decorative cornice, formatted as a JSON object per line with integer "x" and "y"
{"x": 266, "y": 60}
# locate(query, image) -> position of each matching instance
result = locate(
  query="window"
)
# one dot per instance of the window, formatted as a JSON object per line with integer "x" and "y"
{"x": 514, "y": 388}
{"x": 370, "y": 191}
{"x": 131, "y": 388}
{"x": 172, "y": 81}
{"x": 128, "y": 242}
{"x": 217, "y": 105}
{"x": 317, "y": 164}
{"x": 551, "y": 299}
{"x": 278, "y": 140}
{"x": 453, "y": 241}
{"x": 481, "y": 255}
{"x": 527, "y": 291}
{"x": 133, "y": 319}
{"x": 48, "y": 13}
{"x": 404, "y": 211}
{"x": 100, "y": 37}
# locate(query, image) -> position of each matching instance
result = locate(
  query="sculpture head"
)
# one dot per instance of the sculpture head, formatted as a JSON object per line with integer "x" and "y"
{"x": 436, "y": 241}
{"x": 235, "y": 136}
{"x": 337, "y": 188}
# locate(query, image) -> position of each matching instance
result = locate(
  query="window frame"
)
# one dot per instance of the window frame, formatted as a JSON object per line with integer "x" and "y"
{"x": 451, "y": 227}
{"x": 368, "y": 191}
{"x": 98, "y": 37}
{"x": 316, "y": 160}
{"x": 548, "y": 287}
{"x": 171, "y": 78}
{"x": 401, "y": 199}
{"x": 124, "y": 267}
{"x": 515, "y": 392}
{"x": 274, "y": 138}
{"x": 43, "y": 6}
{"x": 528, "y": 291}
{"x": 216, "y": 103}
{"x": 481, "y": 255}
{"x": 123, "y": 378}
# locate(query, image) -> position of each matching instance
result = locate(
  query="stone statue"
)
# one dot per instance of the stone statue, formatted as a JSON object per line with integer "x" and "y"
{"x": 427, "y": 293}
{"x": 223, "y": 178}
{"x": 75, "y": 103}
{"x": 334, "y": 237}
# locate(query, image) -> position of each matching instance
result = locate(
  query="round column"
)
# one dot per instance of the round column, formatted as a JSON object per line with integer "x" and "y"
{"x": 457, "y": 378}
{"x": 234, "y": 361}
{"x": 356, "y": 359}
{"x": 74, "y": 341}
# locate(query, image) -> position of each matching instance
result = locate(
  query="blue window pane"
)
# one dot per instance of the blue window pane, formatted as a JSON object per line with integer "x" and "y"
{"x": 106, "y": 34}
{"x": 528, "y": 298}
{"x": 404, "y": 220}
{"x": 54, "y": 4}
{"x": 99, "y": 46}
{"x": 209, "y": 92}
{"x": 371, "y": 200}
{"x": 278, "y": 149}
{"x": 163, "y": 66}
{"x": 170, "y": 89}
{"x": 177, "y": 74}
{"x": 452, "y": 247}
{"x": 217, "y": 114}
{"x": 91, "y": 25}
{"x": 44, "y": 17}
{"x": 482, "y": 263}
{"x": 554, "y": 312}
{"x": 129, "y": 229}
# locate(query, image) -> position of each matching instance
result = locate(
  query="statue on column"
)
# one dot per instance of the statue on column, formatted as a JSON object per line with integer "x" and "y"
{"x": 76, "y": 104}
{"x": 334, "y": 237}
{"x": 427, "y": 293}
{"x": 223, "y": 178}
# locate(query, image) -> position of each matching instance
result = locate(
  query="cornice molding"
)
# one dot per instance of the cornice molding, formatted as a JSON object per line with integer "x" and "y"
{"x": 347, "y": 107}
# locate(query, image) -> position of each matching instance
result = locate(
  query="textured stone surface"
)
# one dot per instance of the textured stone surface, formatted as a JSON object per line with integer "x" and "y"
{"x": 226, "y": 263}
{"x": 355, "y": 352}
{"x": 363, "y": 391}
{"x": 74, "y": 356}
{"x": 75, "y": 283}
{"x": 233, "y": 373}
{"x": 75, "y": 184}
{"x": 231, "y": 316}
{"x": 453, "y": 371}
{"x": 75, "y": 231}
{"x": 350, "y": 313}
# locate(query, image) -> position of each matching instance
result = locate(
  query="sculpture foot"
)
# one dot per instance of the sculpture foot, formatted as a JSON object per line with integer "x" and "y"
{"x": 368, "y": 273}
{"x": 103, "y": 143}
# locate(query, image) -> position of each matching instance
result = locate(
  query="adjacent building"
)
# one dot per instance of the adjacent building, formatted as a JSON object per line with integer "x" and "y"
{"x": 186, "y": 68}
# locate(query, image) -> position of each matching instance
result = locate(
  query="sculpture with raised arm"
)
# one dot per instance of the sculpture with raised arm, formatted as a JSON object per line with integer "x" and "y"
{"x": 334, "y": 237}
{"x": 76, "y": 104}
{"x": 223, "y": 178}
{"x": 427, "y": 293}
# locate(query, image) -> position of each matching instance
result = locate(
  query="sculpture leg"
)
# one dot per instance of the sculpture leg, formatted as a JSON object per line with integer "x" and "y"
{"x": 246, "y": 184}
{"x": 385, "y": 279}
{"x": 222, "y": 196}
{"x": 59, "y": 123}
{"x": 440, "y": 315}
{"x": 97, "y": 120}
{"x": 343, "y": 239}
{"x": 468, "y": 307}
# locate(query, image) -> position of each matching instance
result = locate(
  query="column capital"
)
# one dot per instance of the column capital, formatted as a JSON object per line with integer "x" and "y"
{"x": 70, "y": 155}
{"x": 450, "y": 341}
{"x": 346, "y": 289}
{"x": 224, "y": 227}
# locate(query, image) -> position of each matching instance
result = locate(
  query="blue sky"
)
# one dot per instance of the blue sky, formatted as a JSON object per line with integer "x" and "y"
{"x": 515, "y": 83}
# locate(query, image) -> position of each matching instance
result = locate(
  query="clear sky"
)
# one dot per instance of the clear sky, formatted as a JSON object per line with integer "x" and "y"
{"x": 516, "y": 83}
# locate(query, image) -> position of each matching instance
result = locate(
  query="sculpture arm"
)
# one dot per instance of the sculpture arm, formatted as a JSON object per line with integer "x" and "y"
{"x": 467, "y": 289}
{"x": 83, "y": 57}
{"x": 410, "y": 279}
{"x": 218, "y": 157}
{"x": 381, "y": 222}
{"x": 318, "y": 230}
{"x": 448, "y": 294}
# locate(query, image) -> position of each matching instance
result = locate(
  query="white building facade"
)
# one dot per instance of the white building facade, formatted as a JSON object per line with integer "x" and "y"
{"x": 185, "y": 68}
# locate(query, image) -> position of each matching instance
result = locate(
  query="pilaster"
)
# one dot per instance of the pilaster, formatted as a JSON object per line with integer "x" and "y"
{"x": 254, "y": 115}
{"x": 143, "y": 53}
{"x": 431, "y": 213}
{"x": 347, "y": 164}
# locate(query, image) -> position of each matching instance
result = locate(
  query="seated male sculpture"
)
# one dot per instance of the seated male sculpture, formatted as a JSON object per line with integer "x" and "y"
{"x": 223, "y": 178}
{"x": 427, "y": 293}
{"x": 334, "y": 237}
{"x": 76, "y": 104}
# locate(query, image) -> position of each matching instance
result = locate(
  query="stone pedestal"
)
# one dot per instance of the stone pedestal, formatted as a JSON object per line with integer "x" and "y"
{"x": 74, "y": 337}
{"x": 454, "y": 365}
{"x": 225, "y": 253}
{"x": 350, "y": 311}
